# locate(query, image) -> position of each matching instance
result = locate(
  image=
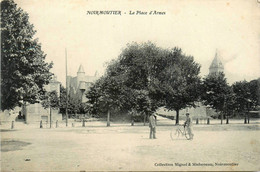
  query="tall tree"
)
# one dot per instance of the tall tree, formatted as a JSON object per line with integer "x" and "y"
{"x": 247, "y": 95}
{"x": 138, "y": 64}
{"x": 108, "y": 95}
{"x": 217, "y": 93}
{"x": 254, "y": 87}
{"x": 148, "y": 77}
{"x": 24, "y": 71}
{"x": 177, "y": 83}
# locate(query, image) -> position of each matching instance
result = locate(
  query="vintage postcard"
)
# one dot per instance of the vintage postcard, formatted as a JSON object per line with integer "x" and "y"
{"x": 130, "y": 85}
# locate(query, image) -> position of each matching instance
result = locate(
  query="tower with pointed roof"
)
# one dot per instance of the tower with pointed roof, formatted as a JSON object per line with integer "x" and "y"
{"x": 79, "y": 85}
{"x": 216, "y": 65}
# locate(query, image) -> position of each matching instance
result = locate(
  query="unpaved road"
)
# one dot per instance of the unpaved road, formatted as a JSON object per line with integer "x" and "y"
{"x": 125, "y": 147}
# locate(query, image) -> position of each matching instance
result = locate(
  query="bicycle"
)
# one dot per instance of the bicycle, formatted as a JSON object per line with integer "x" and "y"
{"x": 179, "y": 131}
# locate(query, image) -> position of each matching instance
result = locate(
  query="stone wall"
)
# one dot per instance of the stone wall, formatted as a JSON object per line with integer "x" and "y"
{"x": 36, "y": 113}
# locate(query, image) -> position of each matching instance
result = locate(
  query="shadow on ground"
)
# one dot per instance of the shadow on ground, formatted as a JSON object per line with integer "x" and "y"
{"x": 12, "y": 145}
{"x": 7, "y": 130}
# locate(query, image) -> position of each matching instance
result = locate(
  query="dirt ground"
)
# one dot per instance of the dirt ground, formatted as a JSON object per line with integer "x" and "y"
{"x": 124, "y": 147}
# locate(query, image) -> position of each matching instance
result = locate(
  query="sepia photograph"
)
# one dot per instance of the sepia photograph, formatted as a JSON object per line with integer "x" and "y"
{"x": 130, "y": 85}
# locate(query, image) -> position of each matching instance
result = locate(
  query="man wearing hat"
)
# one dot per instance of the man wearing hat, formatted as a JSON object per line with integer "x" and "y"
{"x": 188, "y": 124}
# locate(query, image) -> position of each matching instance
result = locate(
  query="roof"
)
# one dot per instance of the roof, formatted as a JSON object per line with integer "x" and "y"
{"x": 216, "y": 63}
{"x": 81, "y": 69}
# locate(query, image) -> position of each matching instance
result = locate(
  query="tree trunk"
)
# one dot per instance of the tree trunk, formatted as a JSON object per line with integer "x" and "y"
{"x": 83, "y": 123}
{"x": 132, "y": 120}
{"x": 66, "y": 113}
{"x": 50, "y": 118}
{"x": 221, "y": 118}
{"x": 25, "y": 113}
{"x": 108, "y": 118}
{"x": 177, "y": 117}
{"x": 227, "y": 120}
{"x": 248, "y": 117}
{"x": 224, "y": 106}
{"x": 144, "y": 118}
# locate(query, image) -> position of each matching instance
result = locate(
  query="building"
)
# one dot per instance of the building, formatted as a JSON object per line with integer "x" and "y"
{"x": 54, "y": 85}
{"x": 33, "y": 113}
{"x": 216, "y": 65}
{"x": 78, "y": 85}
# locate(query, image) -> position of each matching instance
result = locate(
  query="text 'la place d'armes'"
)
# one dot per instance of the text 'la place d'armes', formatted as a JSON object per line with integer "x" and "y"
{"x": 119, "y": 13}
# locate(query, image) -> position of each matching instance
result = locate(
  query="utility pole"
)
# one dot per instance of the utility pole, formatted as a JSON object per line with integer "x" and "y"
{"x": 66, "y": 111}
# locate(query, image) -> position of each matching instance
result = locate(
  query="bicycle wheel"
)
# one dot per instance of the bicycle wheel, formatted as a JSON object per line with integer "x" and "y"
{"x": 175, "y": 133}
{"x": 186, "y": 133}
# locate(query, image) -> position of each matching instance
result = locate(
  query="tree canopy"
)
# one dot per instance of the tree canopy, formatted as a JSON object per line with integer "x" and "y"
{"x": 75, "y": 105}
{"x": 145, "y": 77}
{"x": 246, "y": 95}
{"x": 178, "y": 83}
{"x": 217, "y": 94}
{"x": 51, "y": 100}
{"x": 24, "y": 71}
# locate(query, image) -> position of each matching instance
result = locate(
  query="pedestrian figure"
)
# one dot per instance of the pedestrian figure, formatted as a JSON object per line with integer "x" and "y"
{"x": 152, "y": 125}
{"x": 188, "y": 124}
{"x": 41, "y": 124}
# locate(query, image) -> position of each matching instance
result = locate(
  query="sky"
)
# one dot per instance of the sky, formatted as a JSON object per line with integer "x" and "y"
{"x": 198, "y": 27}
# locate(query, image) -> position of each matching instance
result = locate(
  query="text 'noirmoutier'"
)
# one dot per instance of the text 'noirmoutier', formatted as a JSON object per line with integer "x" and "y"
{"x": 140, "y": 13}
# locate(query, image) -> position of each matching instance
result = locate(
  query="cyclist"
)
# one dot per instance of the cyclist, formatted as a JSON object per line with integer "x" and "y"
{"x": 188, "y": 124}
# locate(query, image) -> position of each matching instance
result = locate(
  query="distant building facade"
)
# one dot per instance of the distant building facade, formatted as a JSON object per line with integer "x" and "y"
{"x": 35, "y": 112}
{"x": 80, "y": 84}
{"x": 54, "y": 85}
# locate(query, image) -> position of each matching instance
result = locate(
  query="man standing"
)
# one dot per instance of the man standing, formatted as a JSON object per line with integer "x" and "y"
{"x": 188, "y": 124}
{"x": 152, "y": 125}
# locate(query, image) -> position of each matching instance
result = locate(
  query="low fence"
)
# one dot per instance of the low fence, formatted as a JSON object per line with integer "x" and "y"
{"x": 12, "y": 125}
{"x": 46, "y": 124}
{"x": 226, "y": 121}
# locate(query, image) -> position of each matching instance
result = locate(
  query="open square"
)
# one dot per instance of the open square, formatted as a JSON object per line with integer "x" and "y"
{"x": 125, "y": 147}
{"x": 130, "y": 85}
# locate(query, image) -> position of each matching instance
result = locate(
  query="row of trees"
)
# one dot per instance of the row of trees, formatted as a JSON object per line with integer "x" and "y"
{"x": 142, "y": 79}
{"x": 237, "y": 99}
{"x": 146, "y": 77}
